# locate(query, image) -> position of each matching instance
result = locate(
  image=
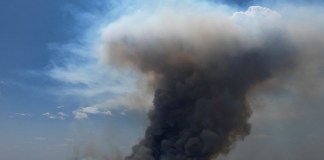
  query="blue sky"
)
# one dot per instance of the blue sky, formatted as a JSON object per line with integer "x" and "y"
{"x": 27, "y": 30}
{"x": 54, "y": 93}
{"x": 36, "y": 118}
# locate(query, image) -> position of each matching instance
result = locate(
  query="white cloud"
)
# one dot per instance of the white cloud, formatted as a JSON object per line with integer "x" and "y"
{"x": 107, "y": 113}
{"x": 80, "y": 115}
{"x": 91, "y": 110}
{"x": 46, "y": 114}
{"x": 86, "y": 76}
{"x": 24, "y": 114}
{"x": 60, "y": 107}
{"x": 62, "y": 114}
{"x": 137, "y": 100}
{"x": 59, "y": 115}
{"x": 258, "y": 13}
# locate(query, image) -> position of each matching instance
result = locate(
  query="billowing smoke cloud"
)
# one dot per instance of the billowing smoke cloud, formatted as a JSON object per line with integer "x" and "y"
{"x": 207, "y": 65}
{"x": 200, "y": 62}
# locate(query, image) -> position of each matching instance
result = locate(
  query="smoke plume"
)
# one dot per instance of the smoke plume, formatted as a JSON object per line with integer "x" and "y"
{"x": 200, "y": 62}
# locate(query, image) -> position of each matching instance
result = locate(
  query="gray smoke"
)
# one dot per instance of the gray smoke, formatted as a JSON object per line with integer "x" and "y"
{"x": 200, "y": 64}
{"x": 200, "y": 107}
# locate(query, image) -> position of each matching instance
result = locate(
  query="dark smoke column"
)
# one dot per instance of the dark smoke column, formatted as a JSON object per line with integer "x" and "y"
{"x": 201, "y": 109}
{"x": 201, "y": 75}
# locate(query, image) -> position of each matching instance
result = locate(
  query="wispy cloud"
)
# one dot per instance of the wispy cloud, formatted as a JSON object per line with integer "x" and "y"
{"x": 24, "y": 114}
{"x": 84, "y": 75}
{"x": 62, "y": 114}
{"x": 60, "y": 107}
{"x": 82, "y": 113}
{"x": 58, "y": 115}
